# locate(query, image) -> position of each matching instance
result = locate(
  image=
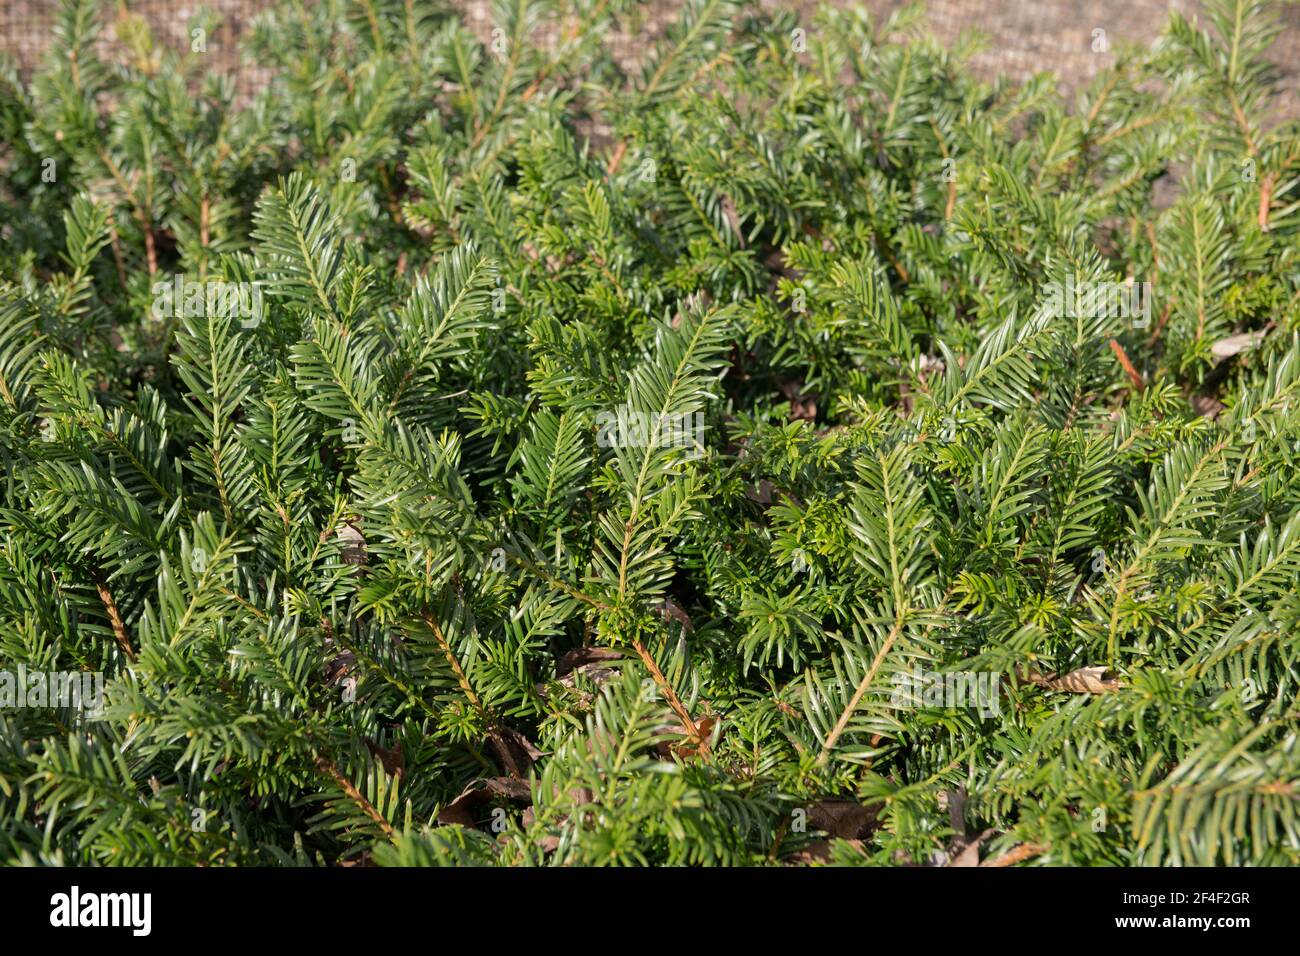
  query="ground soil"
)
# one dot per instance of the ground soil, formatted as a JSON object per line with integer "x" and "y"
{"x": 1022, "y": 38}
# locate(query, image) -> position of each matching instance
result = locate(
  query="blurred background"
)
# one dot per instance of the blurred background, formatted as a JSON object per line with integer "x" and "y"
{"x": 1021, "y": 38}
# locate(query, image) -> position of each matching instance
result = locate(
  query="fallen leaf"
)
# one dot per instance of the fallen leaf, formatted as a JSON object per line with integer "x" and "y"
{"x": 460, "y": 812}
{"x": 688, "y": 748}
{"x": 1083, "y": 680}
{"x": 803, "y": 406}
{"x": 581, "y": 656}
{"x": 354, "y": 542}
{"x": 515, "y": 751}
{"x": 1207, "y": 407}
{"x": 584, "y": 661}
{"x": 733, "y": 218}
{"x": 516, "y": 791}
{"x": 760, "y": 493}
{"x": 965, "y": 851}
{"x": 393, "y": 758}
{"x": 338, "y": 668}
{"x": 1233, "y": 344}
{"x": 668, "y": 608}
{"x": 681, "y": 744}
{"x": 819, "y": 851}
{"x": 846, "y": 819}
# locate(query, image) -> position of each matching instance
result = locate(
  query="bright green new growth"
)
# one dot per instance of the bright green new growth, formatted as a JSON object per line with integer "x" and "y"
{"x": 368, "y": 578}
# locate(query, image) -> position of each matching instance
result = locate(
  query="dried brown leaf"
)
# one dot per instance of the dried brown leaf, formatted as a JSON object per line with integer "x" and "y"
{"x": 965, "y": 851}
{"x": 1207, "y": 406}
{"x": 581, "y": 656}
{"x": 846, "y": 819}
{"x": 515, "y": 752}
{"x": 760, "y": 493}
{"x": 803, "y": 405}
{"x": 393, "y": 758}
{"x": 461, "y": 810}
{"x": 1082, "y": 680}
{"x": 671, "y": 610}
{"x": 1234, "y": 344}
{"x": 353, "y": 542}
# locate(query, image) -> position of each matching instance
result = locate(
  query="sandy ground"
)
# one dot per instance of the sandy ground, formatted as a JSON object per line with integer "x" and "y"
{"x": 1022, "y": 38}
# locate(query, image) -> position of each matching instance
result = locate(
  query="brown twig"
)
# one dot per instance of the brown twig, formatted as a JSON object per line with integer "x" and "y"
{"x": 1132, "y": 372}
{"x": 842, "y": 724}
{"x": 893, "y": 261}
{"x": 116, "y": 246}
{"x": 617, "y": 158}
{"x": 146, "y": 226}
{"x": 114, "y": 618}
{"x": 204, "y": 235}
{"x": 150, "y": 249}
{"x": 456, "y": 669}
{"x": 355, "y": 795}
{"x": 674, "y": 701}
{"x": 1265, "y": 200}
{"x": 1021, "y": 853}
{"x": 568, "y": 35}
{"x": 1160, "y": 325}
{"x": 778, "y": 838}
{"x": 1155, "y": 253}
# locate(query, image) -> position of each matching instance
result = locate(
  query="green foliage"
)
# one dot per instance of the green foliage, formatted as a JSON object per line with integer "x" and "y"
{"x": 576, "y": 462}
